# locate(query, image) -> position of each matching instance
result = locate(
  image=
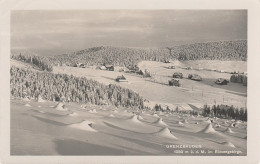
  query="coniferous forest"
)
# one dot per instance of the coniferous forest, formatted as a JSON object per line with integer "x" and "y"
{"x": 62, "y": 87}
{"x": 223, "y": 111}
{"x": 122, "y": 56}
{"x": 40, "y": 62}
{"x": 220, "y": 111}
{"x": 238, "y": 78}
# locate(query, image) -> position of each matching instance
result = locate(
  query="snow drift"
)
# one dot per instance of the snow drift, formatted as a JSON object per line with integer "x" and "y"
{"x": 160, "y": 122}
{"x": 73, "y": 114}
{"x": 84, "y": 125}
{"x": 209, "y": 120}
{"x": 111, "y": 115}
{"x": 60, "y": 106}
{"x": 140, "y": 117}
{"x": 134, "y": 119}
{"x": 165, "y": 132}
{"x": 229, "y": 144}
{"x": 233, "y": 125}
{"x": 39, "y": 99}
{"x": 208, "y": 129}
{"x": 155, "y": 115}
{"x": 93, "y": 111}
{"x": 28, "y": 105}
{"x": 228, "y": 130}
{"x": 179, "y": 122}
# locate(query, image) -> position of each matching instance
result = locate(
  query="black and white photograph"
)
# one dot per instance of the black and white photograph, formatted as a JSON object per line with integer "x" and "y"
{"x": 119, "y": 81}
{"x": 128, "y": 82}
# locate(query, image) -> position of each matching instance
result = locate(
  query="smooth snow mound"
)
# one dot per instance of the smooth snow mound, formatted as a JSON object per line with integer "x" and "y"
{"x": 134, "y": 119}
{"x": 228, "y": 130}
{"x": 208, "y": 129}
{"x": 160, "y": 122}
{"x": 28, "y": 105}
{"x": 179, "y": 122}
{"x": 39, "y": 99}
{"x": 93, "y": 111}
{"x": 229, "y": 144}
{"x": 84, "y": 125}
{"x": 73, "y": 114}
{"x": 165, "y": 132}
{"x": 115, "y": 111}
{"x": 111, "y": 115}
{"x": 155, "y": 115}
{"x": 60, "y": 106}
{"x": 140, "y": 117}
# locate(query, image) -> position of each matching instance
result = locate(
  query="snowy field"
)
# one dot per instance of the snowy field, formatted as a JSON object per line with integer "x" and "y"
{"x": 49, "y": 128}
{"x": 157, "y": 90}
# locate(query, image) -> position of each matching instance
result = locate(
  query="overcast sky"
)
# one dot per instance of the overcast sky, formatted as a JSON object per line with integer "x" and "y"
{"x": 60, "y": 31}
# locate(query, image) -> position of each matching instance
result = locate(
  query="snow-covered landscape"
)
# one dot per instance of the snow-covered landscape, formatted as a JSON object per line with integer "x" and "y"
{"x": 49, "y": 128}
{"x": 197, "y": 93}
{"x": 44, "y": 129}
{"x": 129, "y": 83}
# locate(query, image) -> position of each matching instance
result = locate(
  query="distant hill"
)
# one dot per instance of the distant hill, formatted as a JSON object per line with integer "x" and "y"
{"x": 123, "y": 56}
{"x": 223, "y": 50}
